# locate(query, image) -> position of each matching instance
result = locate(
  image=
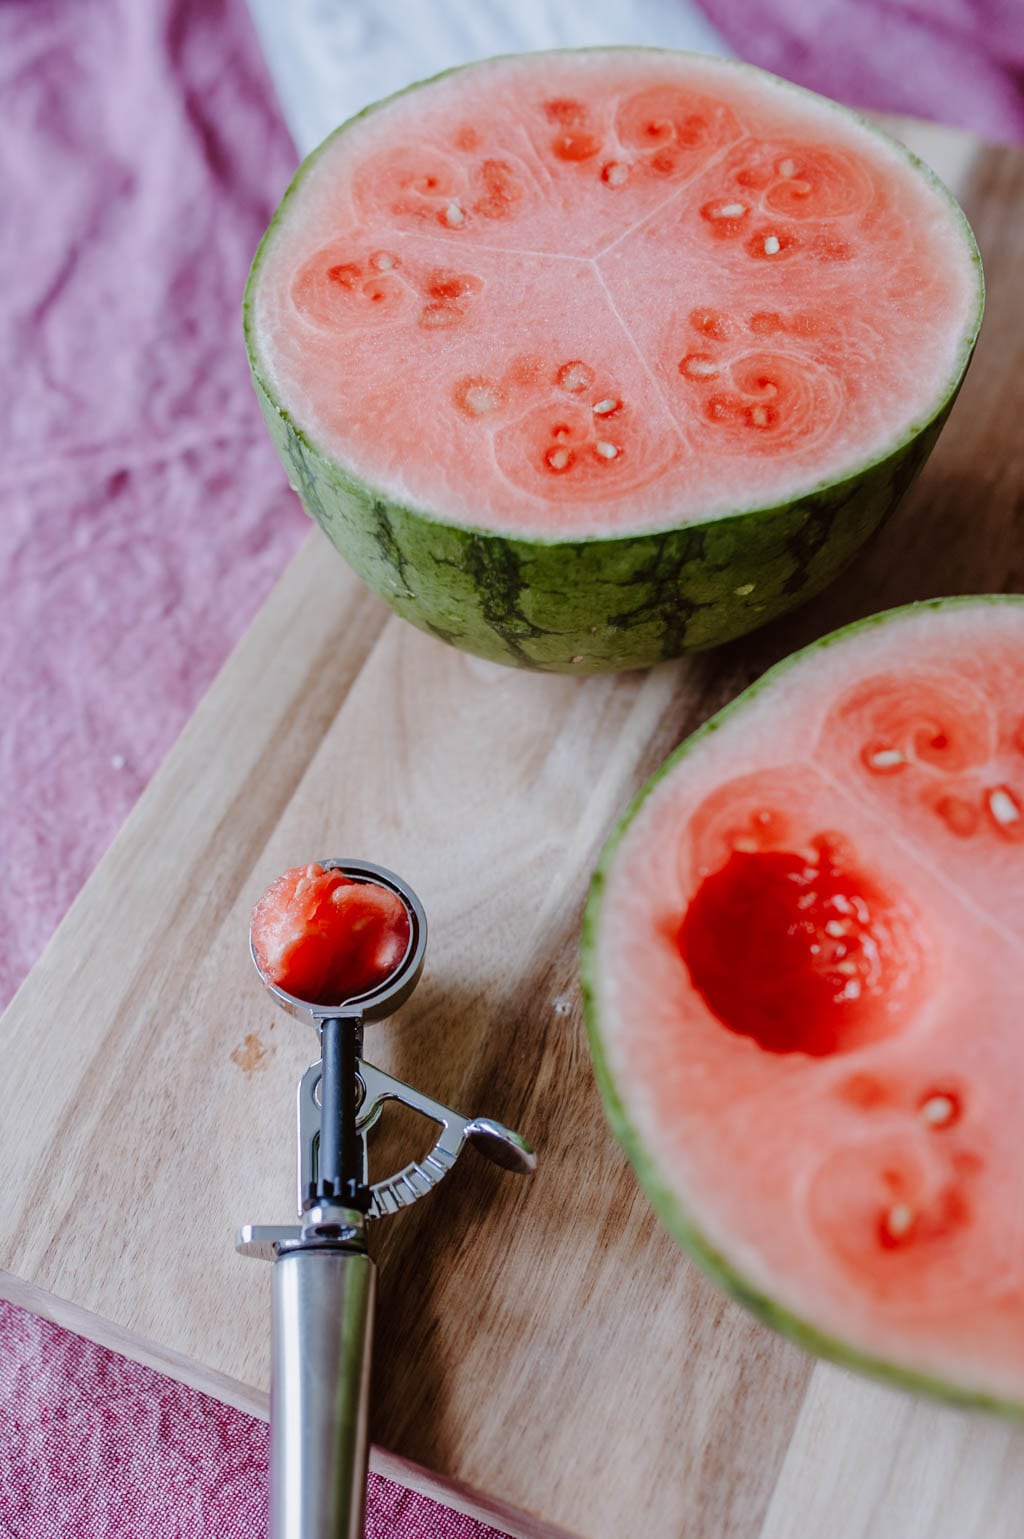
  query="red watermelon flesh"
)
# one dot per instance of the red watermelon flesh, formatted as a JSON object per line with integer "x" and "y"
{"x": 804, "y": 962}
{"x": 609, "y": 292}
{"x": 324, "y": 938}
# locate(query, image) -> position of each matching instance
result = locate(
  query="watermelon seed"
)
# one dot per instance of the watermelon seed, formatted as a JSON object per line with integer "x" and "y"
{"x": 899, "y": 1219}
{"x": 759, "y": 416}
{"x": 772, "y": 245}
{"x": 559, "y": 459}
{"x": 1003, "y": 806}
{"x": 606, "y": 450}
{"x": 440, "y": 315}
{"x": 835, "y": 927}
{"x": 850, "y": 989}
{"x": 606, "y": 407}
{"x": 938, "y": 1111}
{"x": 787, "y": 168}
{"x": 743, "y": 589}
{"x": 480, "y": 399}
{"x": 575, "y": 376}
{"x": 848, "y": 969}
{"x": 885, "y": 759}
{"x": 729, "y": 211}
{"x": 383, "y": 261}
{"x": 454, "y": 216}
{"x": 615, "y": 173}
{"x": 698, "y": 366}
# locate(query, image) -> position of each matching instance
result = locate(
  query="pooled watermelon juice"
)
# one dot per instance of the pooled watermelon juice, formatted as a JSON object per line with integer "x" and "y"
{"x": 586, "y": 359}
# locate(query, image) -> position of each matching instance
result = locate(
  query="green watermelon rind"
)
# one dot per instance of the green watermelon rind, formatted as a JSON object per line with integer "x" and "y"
{"x": 666, "y": 1203}
{"x": 599, "y": 602}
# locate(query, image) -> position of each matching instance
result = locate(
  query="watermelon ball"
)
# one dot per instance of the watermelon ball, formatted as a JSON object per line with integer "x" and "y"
{"x": 325, "y": 938}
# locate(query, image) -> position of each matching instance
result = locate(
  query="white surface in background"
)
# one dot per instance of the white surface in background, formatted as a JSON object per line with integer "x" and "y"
{"x": 329, "y": 58}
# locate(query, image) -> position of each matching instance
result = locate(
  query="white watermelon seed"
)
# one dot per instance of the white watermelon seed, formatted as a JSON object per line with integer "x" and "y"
{"x": 606, "y": 450}
{"x": 481, "y": 399}
{"x": 759, "y": 416}
{"x": 1003, "y": 806}
{"x": 454, "y": 215}
{"x": 615, "y": 173}
{"x": 886, "y": 758}
{"x": 383, "y": 261}
{"x": 772, "y": 245}
{"x": 575, "y": 377}
{"x": 700, "y": 368}
{"x": 609, "y": 404}
{"x": 559, "y": 459}
{"x": 938, "y": 1111}
{"x": 835, "y": 928}
{"x": 787, "y": 168}
{"x": 848, "y": 969}
{"x": 899, "y": 1219}
{"x": 730, "y": 211}
{"x": 850, "y": 989}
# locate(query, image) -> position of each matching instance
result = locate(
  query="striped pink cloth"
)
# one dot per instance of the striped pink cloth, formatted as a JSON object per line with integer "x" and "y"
{"x": 143, "y": 517}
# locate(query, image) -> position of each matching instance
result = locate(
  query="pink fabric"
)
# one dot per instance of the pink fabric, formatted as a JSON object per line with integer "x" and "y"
{"x": 143, "y": 516}
{"x": 95, "y": 1447}
{"x": 957, "y": 61}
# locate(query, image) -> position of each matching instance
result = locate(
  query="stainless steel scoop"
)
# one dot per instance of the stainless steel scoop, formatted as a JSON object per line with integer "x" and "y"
{"x": 324, "y": 1282}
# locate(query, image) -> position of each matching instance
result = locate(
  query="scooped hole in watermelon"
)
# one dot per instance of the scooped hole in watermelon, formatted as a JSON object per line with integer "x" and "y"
{"x": 324, "y": 938}
{"x": 799, "y": 950}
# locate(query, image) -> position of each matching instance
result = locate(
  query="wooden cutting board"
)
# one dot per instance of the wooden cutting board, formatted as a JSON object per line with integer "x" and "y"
{"x": 545, "y": 1356}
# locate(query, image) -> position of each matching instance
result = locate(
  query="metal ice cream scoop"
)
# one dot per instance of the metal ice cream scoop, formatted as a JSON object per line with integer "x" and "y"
{"x": 324, "y": 1282}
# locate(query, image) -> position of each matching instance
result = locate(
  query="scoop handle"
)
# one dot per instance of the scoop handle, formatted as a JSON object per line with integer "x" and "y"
{"x": 322, "y": 1336}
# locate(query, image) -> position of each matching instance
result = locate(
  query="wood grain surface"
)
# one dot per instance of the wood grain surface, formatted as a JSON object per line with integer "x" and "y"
{"x": 545, "y": 1356}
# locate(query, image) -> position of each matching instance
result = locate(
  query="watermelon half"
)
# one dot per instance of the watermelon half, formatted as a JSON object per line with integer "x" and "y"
{"x": 802, "y": 966}
{"x": 586, "y": 359}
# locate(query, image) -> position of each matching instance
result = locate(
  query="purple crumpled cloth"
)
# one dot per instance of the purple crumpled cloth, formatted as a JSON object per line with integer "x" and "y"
{"x": 957, "y": 61}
